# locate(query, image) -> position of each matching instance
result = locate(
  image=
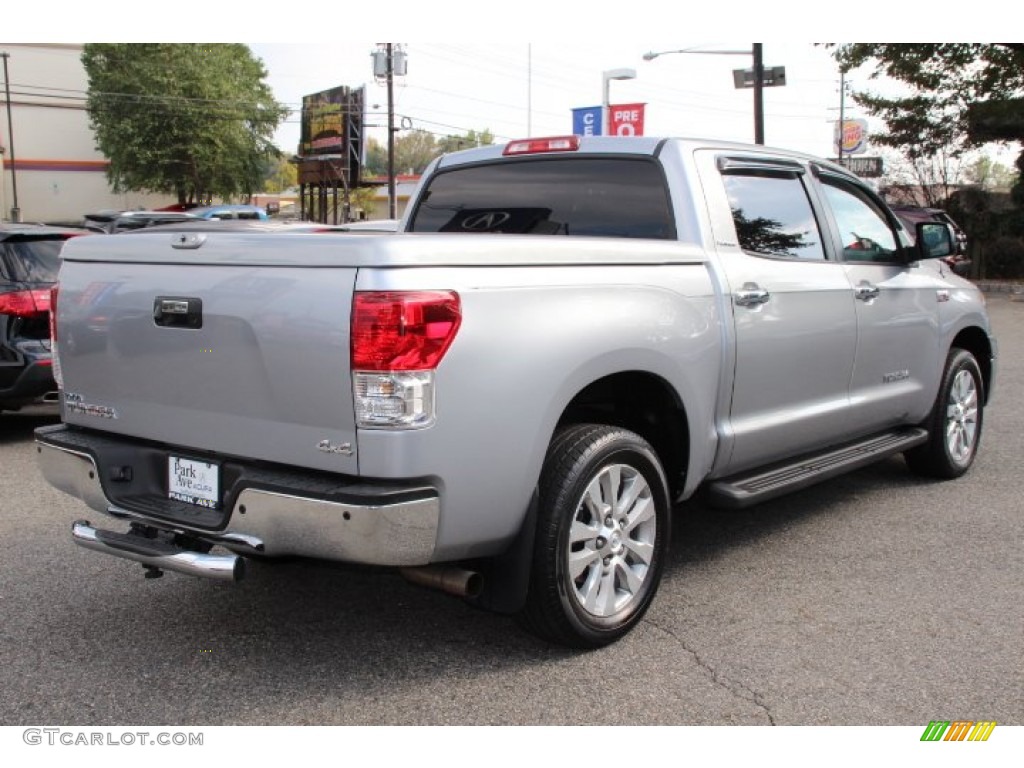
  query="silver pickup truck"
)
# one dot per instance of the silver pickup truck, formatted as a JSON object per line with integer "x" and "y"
{"x": 509, "y": 417}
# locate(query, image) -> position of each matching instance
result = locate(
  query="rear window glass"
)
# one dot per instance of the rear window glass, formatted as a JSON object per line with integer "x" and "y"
{"x": 34, "y": 260}
{"x": 588, "y": 197}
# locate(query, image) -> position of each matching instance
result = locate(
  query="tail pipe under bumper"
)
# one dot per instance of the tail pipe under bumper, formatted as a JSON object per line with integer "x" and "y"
{"x": 157, "y": 553}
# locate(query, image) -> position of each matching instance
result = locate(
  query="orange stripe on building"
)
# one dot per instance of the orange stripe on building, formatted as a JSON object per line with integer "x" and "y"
{"x": 33, "y": 164}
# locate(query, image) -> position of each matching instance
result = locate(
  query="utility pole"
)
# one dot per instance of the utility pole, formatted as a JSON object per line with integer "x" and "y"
{"x": 758, "y": 93}
{"x": 389, "y": 60}
{"x": 15, "y": 210}
{"x": 842, "y": 116}
{"x": 392, "y": 194}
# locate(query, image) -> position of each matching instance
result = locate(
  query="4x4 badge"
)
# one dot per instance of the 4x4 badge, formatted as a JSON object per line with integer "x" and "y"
{"x": 325, "y": 446}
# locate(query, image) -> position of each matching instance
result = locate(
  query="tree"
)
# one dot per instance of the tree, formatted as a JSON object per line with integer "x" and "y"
{"x": 415, "y": 149}
{"x": 280, "y": 174}
{"x": 194, "y": 120}
{"x": 472, "y": 139}
{"x": 948, "y": 82}
{"x": 989, "y": 174}
{"x": 913, "y": 179}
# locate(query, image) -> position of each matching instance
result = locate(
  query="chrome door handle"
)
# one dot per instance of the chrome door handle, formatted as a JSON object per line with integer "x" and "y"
{"x": 751, "y": 296}
{"x": 866, "y": 292}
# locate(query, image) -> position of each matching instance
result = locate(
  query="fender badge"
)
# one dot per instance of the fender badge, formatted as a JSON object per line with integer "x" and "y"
{"x": 324, "y": 446}
{"x": 75, "y": 403}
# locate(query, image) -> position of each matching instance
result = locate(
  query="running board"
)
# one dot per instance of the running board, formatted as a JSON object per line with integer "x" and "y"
{"x": 766, "y": 483}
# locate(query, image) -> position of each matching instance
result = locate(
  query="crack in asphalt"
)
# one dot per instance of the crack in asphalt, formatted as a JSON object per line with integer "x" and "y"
{"x": 737, "y": 689}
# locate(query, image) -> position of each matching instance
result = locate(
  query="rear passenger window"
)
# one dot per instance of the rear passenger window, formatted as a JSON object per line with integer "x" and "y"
{"x": 773, "y": 215}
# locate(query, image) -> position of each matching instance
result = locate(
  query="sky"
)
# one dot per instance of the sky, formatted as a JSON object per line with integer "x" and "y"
{"x": 517, "y": 89}
{"x": 517, "y": 69}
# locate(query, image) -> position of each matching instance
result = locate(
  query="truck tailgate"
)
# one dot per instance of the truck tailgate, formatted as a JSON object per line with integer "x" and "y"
{"x": 246, "y": 359}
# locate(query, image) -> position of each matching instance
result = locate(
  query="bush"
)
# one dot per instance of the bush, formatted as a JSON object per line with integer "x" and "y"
{"x": 1005, "y": 259}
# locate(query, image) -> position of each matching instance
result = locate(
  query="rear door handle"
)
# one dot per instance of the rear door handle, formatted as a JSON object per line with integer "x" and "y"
{"x": 866, "y": 291}
{"x": 751, "y": 295}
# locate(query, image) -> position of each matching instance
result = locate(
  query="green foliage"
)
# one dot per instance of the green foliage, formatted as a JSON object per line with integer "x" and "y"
{"x": 414, "y": 150}
{"x": 194, "y": 119}
{"x": 376, "y": 159}
{"x": 989, "y": 174}
{"x": 472, "y": 139}
{"x": 946, "y": 79}
{"x": 962, "y": 95}
{"x": 280, "y": 174}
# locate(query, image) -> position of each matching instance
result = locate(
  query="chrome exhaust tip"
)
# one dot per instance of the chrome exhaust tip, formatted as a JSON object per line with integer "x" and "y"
{"x": 158, "y": 554}
{"x": 52, "y": 397}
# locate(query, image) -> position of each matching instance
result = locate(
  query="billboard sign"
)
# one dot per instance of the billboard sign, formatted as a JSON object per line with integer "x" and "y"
{"x": 332, "y": 131}
{"x": 626, "y": 119}
{"x": 324, "y": 121}
{"x": 853, "y": 136}
{"x": 586, "y": 121}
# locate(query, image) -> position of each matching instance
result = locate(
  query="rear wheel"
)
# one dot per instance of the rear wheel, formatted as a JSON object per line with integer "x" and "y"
{"x": 602, "y": 536}
{"x": 954, "y": 425}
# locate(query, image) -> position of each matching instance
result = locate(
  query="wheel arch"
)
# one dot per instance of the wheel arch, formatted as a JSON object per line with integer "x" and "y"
{"x": 644, "y": 403}
{"x": 977, "y": 342}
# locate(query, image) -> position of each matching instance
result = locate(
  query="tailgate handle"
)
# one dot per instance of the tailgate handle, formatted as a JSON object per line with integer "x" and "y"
{"x": 178, "y": 312}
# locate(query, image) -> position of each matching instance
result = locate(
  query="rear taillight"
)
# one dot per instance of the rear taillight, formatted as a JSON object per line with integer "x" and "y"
{"x": 57, "y": 377}
{"x": 25, "y": 303}
{"x": 403, "y": 331}
{"x": 398, "y": 339}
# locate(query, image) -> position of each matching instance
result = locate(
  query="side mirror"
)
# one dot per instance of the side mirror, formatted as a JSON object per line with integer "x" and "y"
{"x": 935, "y": 240}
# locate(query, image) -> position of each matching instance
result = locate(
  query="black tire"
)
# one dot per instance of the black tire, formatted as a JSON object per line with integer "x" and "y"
{"x": 592, "y": 579}
{"x": 954, "y": 425}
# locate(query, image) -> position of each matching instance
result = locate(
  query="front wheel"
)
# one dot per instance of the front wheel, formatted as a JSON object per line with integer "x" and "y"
{"x": 602, "y": 536}
{"x": 954, "y": 425}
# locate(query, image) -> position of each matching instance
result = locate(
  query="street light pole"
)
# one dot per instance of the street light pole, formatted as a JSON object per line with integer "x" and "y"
{"x": 756, "y": 52}
{"x": 758, "y": 94}
{"x": 606, "y": 78}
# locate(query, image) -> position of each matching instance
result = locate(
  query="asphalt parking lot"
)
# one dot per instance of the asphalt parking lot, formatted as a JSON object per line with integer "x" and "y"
{"x": 876, "y": 599}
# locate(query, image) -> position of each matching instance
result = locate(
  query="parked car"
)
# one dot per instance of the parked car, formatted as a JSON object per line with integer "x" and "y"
{"x": 911, "y": 215}
{"x": 29, "y": 260}
{"x": 112, "y": 222}
{"x": 230, "y": 212}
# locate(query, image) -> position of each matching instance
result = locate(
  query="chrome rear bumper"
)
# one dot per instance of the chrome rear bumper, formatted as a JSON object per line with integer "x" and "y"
{"x": 268, "y": 523}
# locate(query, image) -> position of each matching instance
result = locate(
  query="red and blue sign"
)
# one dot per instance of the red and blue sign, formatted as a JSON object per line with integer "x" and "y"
{"x": 623, "y": 120}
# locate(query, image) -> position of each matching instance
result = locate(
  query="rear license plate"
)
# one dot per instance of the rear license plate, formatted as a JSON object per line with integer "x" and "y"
{"x": 194, "y": 482}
